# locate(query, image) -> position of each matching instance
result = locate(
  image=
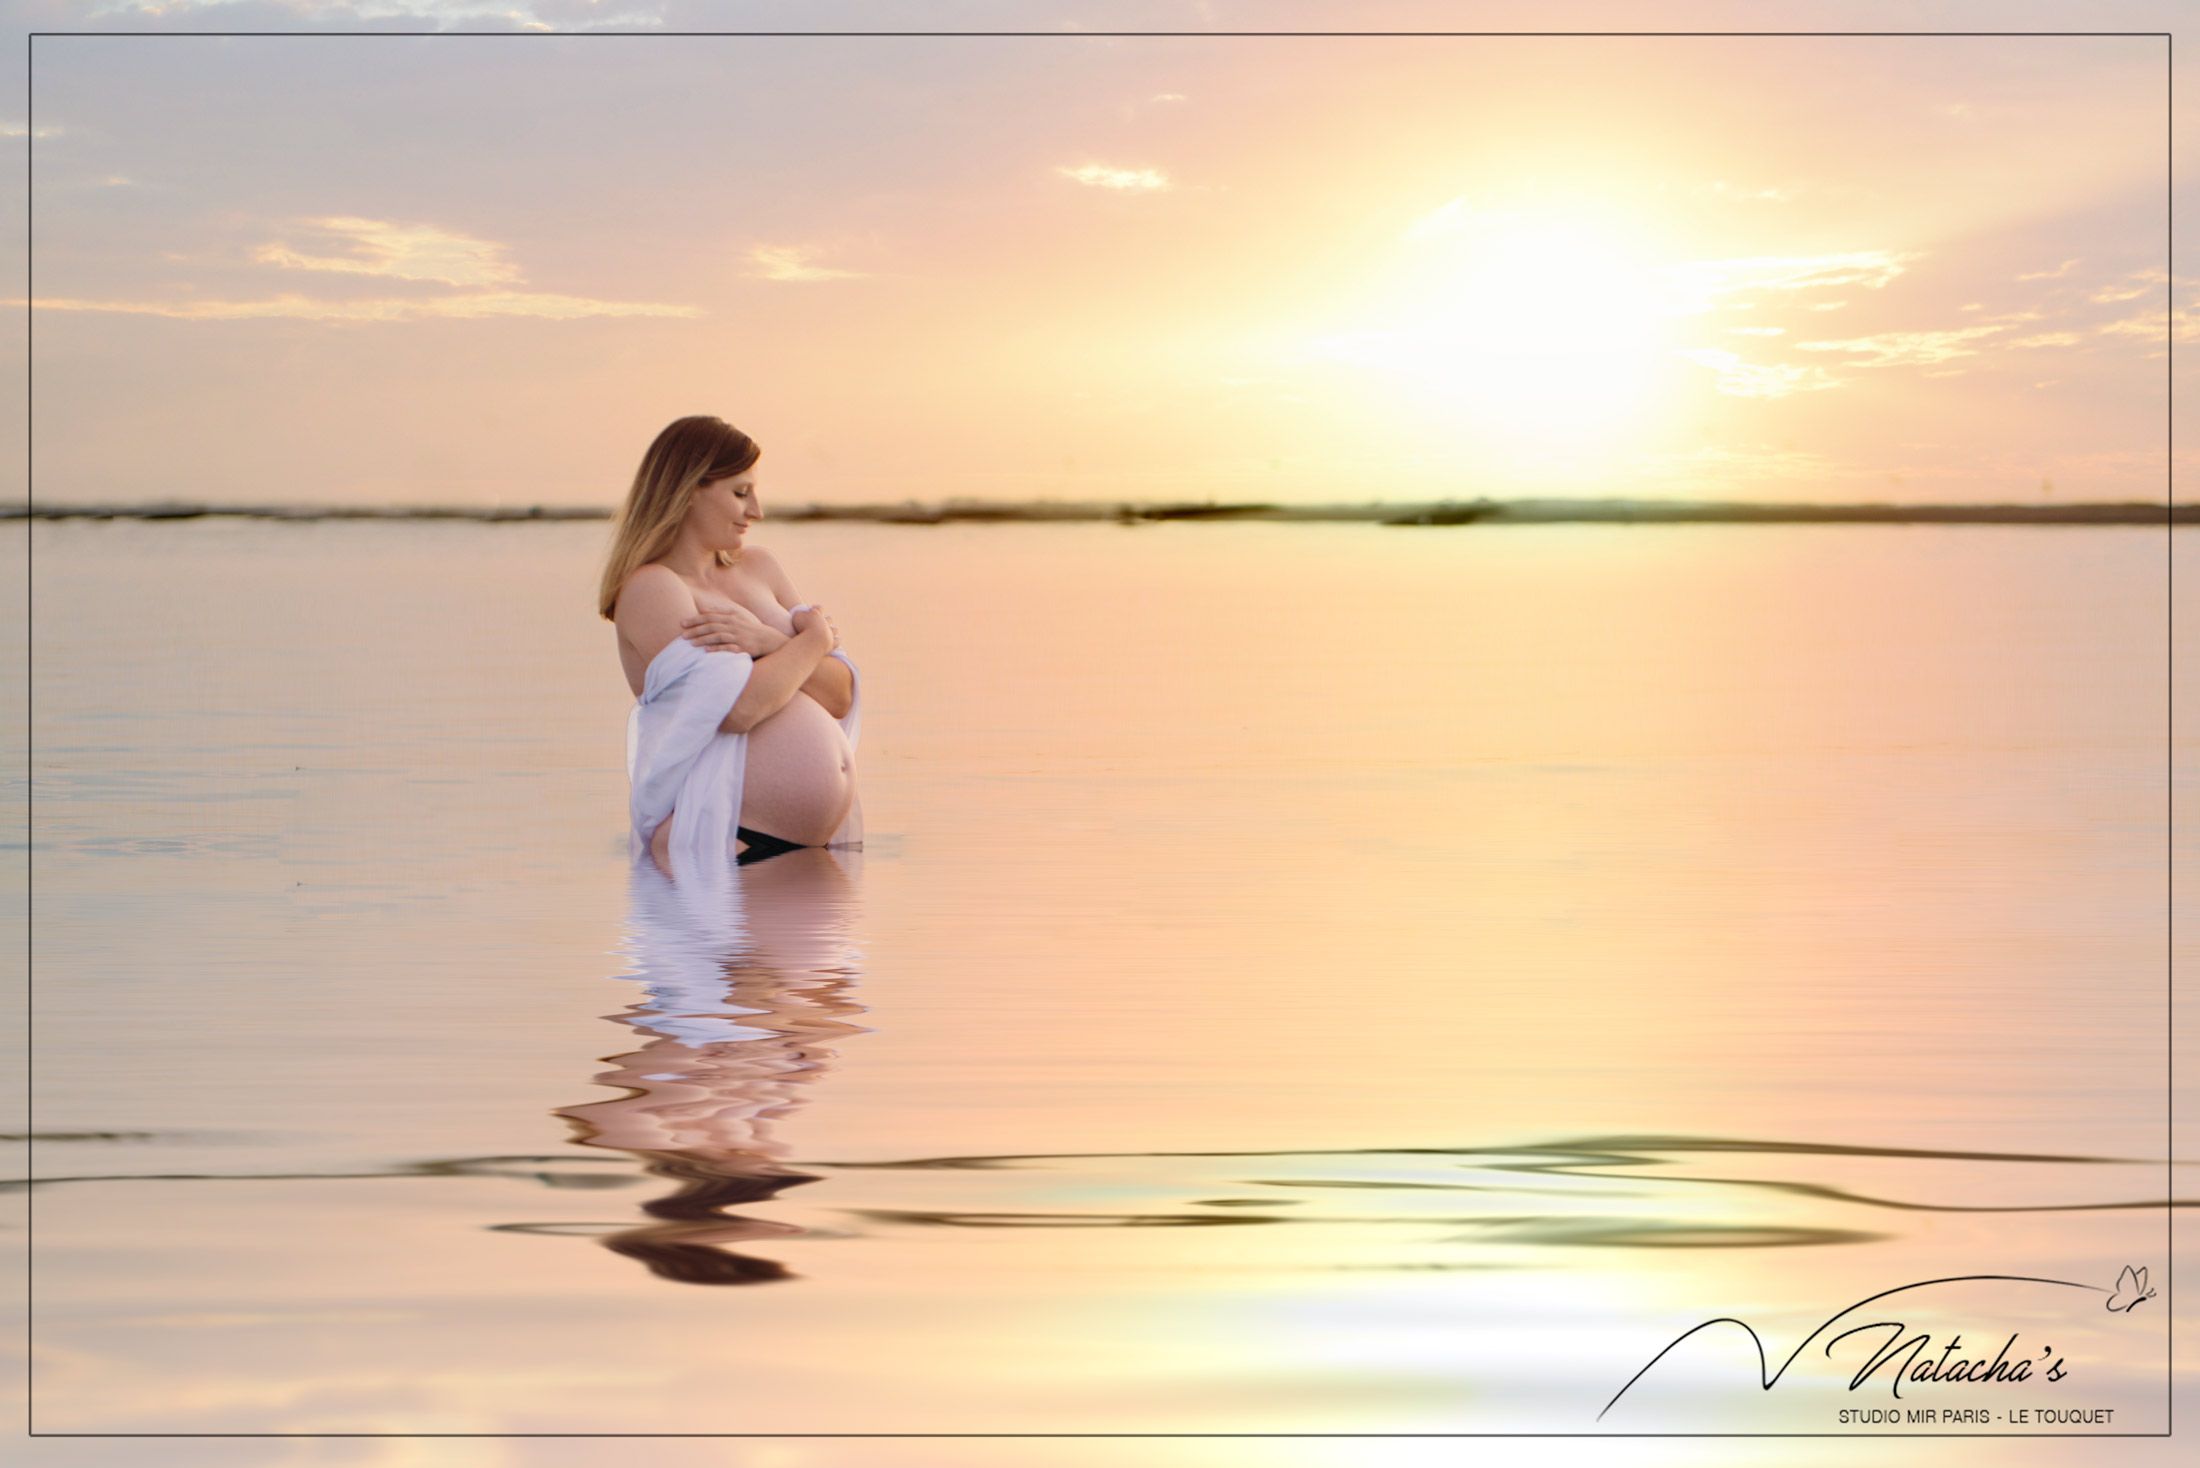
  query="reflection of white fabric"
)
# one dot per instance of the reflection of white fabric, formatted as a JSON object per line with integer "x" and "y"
{"x": 678, "y": 760}
{"x": 680, "y": 937}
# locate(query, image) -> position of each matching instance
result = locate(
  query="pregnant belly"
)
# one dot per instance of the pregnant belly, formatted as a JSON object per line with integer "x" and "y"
{"x": 800, "y": 776}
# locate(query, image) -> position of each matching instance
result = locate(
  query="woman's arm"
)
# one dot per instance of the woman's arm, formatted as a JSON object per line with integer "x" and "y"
{"x": 650, "y": 611}
{"x": 779, "y": 676}
{"x": 655, "y": 606}
{"x": 832, "y": 685}
{"x": 737, "y": 629}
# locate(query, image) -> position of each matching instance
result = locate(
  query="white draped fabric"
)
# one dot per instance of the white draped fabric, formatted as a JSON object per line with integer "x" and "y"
{"x": 677, "y": 760}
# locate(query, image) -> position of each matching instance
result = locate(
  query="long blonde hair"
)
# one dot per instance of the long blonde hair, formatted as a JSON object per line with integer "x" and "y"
{"x": 690, "y": 453}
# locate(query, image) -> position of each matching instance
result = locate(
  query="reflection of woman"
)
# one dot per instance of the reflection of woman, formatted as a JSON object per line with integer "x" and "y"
{"x": 744, "y": 987}
{"x": 680, "y": 572}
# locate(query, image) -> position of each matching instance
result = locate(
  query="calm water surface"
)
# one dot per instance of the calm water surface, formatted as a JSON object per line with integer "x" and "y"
{"x": 1304, "y": 979}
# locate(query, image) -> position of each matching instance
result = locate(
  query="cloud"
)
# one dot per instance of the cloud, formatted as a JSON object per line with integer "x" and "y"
{"x": 792, "y": 262}
{"x": 1747, "y": 380}
{"x": 2137, "y": 284}
{"x": 1756, "y": 331}
{"x": 23, "y": 130}
{"x": 520, "y": 15}
{"x": 401, "y": 251}
{"x": 394, "y": 251}
{"x": 1906, "y": 348}
{"x": 1699, "y": 284}
{"x": 475, "y": 306}
{"x": 2056, "y": 274}
{"x": 2157, "y": 326}
{"x": 1099, "y": 176}
{"x": 2049, "y": 339}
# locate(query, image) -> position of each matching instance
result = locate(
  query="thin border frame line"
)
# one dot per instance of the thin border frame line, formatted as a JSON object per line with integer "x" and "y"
{"x": 2169, "y": 741}
{"x": 30, "y": 736}
{"x": 2168, "y": 40}
{"x": 1097, "y": 35}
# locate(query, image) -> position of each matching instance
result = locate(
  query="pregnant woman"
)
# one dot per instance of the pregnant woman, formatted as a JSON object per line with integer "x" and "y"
{"x": 742, "y": 739}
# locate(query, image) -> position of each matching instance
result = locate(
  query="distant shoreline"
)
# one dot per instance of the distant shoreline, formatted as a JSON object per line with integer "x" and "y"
{"x": 1426, "y": 513}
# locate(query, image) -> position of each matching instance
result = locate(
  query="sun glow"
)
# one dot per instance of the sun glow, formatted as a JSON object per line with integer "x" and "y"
{"x": 1538, "y": 330}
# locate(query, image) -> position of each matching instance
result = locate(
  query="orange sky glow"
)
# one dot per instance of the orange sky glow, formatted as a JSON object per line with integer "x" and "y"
{"x": 470, "y": 270}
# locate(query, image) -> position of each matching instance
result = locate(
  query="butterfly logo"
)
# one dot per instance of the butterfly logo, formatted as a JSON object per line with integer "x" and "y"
{"x": 2131, "y": 1288}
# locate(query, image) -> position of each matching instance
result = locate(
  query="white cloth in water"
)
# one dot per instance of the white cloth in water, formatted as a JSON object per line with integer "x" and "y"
{"x": 678, "y": 760}
{"x": 680, "y": 938}
{"x": 685, "y": 940}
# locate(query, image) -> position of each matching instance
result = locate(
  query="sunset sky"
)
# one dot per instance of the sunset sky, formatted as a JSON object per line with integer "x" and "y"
{"x": 486, "y": 268}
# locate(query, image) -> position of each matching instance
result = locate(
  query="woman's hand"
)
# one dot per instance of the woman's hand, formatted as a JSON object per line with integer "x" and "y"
{"x": 814, "y": 616}
{"x": 733, "y": 629}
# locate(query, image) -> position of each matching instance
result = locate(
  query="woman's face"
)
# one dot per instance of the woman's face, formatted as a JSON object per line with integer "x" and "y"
{"x": 722, "y": 509}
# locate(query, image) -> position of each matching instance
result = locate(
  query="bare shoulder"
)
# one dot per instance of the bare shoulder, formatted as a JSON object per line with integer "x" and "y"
{"x": 765, "y": 566}
{"x": 650, "y": 609}
{"x": 653, "y": 588}
{"x": 761, "y": 560}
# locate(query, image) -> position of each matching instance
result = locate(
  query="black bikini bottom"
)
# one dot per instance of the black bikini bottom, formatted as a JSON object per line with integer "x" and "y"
{"x": 761, "y": 846}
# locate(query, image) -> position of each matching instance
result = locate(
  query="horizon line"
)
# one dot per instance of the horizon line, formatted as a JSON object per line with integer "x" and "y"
{"x": 1404, "y": 513}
